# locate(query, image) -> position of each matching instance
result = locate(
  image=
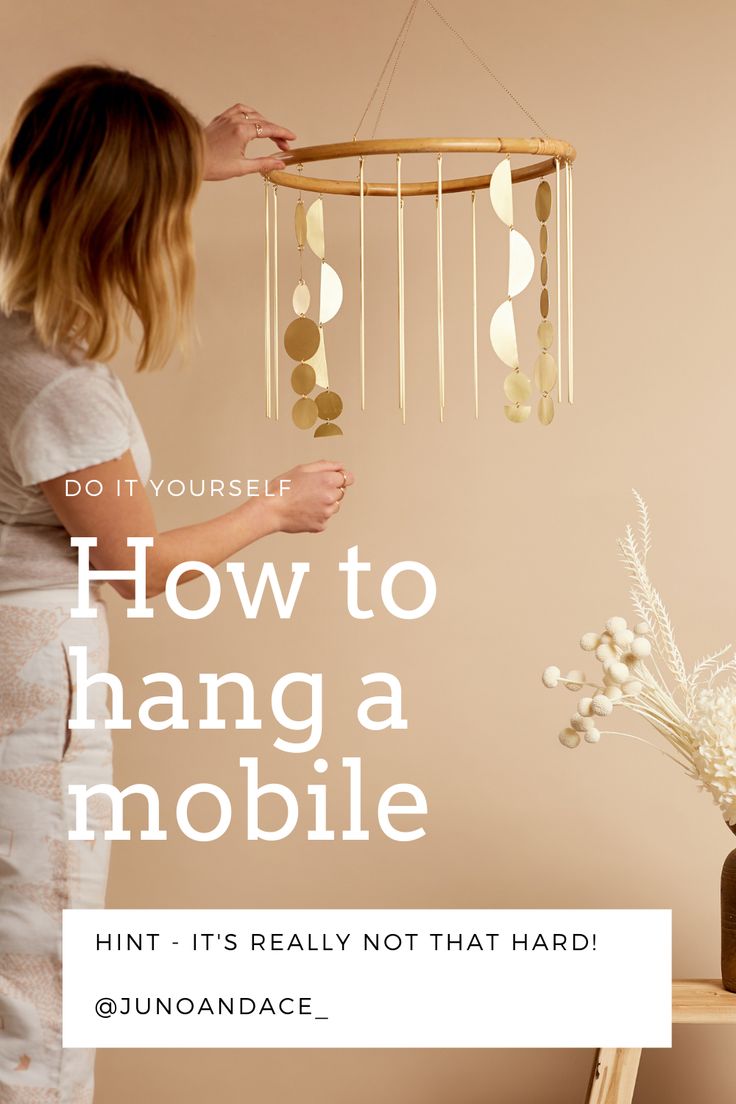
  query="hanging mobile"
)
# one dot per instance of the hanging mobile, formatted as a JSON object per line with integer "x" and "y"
{"x": 545, "y": 368}
{"x": 302, "y": 336}
{"x": 329, "y": 404}
{"x": 543, "y": 157}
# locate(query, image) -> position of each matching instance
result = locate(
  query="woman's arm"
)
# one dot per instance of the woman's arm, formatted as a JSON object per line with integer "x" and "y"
{"x": 313, "y": 497}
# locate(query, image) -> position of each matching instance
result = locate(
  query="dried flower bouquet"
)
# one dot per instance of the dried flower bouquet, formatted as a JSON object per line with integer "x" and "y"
{"x": 694, "y": 710}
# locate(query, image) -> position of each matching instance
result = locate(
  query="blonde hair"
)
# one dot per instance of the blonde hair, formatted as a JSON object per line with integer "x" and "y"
{"x": 97, "y": 181}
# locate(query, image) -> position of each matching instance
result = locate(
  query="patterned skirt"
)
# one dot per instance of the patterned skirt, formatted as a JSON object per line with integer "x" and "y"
{"x": 41, "y": 871}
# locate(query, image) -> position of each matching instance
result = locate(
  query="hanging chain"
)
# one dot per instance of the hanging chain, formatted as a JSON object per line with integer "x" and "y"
{"x": 402, "y": 34}
{"x": 473, "y": 53}
{"x": 395, "y": 54}
{"x": 409, "y": 18}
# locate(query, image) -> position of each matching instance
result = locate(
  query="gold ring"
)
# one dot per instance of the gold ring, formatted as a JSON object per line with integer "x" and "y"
{"x": 344, "y": 481}
{"x": 245, "y": 115}
{"x": 342, "y": 489}
{"x": 259, "y": 129}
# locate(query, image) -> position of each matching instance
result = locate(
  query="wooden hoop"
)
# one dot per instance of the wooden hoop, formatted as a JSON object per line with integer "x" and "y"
{"x": 551, "y": 149}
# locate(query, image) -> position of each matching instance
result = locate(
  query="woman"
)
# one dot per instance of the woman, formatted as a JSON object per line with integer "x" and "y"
{"x": 97, "y": 182}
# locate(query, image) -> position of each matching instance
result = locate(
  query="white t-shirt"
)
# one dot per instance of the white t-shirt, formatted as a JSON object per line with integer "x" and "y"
{"x": 57, "y": 416}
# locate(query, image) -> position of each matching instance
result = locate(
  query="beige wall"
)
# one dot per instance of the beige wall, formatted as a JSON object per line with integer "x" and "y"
{"x": 518, "y": 523}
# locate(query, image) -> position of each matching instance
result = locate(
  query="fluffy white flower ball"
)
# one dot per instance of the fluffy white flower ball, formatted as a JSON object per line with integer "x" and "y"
{"x": 551, "y": 676}
{"x": 569, "y": 738}
{"x": 616, "y": 624}
{"x": 589, "y": 641}
{"x": 601, "y": 705}
{"x": 592, "y": 736}
{"x": 640, "y": 647}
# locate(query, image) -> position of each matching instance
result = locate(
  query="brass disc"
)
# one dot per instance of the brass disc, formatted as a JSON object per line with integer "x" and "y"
{"x": 301, "y": 339}
{"x": 300, "y": 224}
{"x": 543, "y": 270}
{"x": 546, "y": 409}
{"x": 517, "y": 413}
{"x": 545, "y": 372}
{"x": 329, "y": 405}
{"x": 545, "y": 334}
{"x": 542, "y": 238}
{"x": 543, "y": 303}
{"x": 517, "y": 387}
{"x": 303, "y": 379}
{"x": 328, "y": 429}
{"x": 304, "y": 413}
{"x": 543, "y": 200}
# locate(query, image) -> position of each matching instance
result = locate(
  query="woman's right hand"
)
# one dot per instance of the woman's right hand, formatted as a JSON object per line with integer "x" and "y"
{"x": 312, "y": 496}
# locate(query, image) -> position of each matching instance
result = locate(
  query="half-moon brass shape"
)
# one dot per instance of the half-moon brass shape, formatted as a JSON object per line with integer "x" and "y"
{"x": 303, "y": 379}
{"x": 501, "y": 192}
{"x": 316, "y": 228}
{"x": 517, "y": 413}
{"x": 328, "y": 429}
{"x": 301, "y": 339}
{"x": 304, "y": 413}
{"x": 543, "y": 200}
{"x": 521, "y": 263}
{"x": 329, "y": 405}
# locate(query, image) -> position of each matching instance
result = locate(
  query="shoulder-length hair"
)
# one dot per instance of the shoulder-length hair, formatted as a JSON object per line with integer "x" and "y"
{"x": 97, "y": 181}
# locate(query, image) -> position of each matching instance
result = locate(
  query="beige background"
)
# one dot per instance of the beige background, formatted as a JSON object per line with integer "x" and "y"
{"x": 518, "y": 523}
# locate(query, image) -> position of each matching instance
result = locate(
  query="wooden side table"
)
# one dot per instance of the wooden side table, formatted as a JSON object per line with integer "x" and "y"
{"x": 613, "y": 1077}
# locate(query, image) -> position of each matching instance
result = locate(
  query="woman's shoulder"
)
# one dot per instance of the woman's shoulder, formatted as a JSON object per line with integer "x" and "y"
{"x": 28, "y": 369}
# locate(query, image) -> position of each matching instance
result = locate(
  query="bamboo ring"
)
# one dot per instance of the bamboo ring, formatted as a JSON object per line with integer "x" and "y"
{"x": 551, "y": 149}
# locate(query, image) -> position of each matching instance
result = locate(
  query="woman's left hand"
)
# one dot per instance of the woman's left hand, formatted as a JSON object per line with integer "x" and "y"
{"x": 226, "y": 140}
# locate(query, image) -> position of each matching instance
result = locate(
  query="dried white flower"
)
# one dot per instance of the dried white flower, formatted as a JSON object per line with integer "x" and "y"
{"x": 569, "y": 738}
{"x": 714, "y": 739}
{"x": 601, "y": 705}
{"x": 640, "y": 647}
{"x": 617, "y": 672}
{"x": 696, "y": 715}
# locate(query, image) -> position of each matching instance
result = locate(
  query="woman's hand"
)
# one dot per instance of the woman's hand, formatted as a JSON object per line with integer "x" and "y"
{"x": 313, "y": 496}
{"x": 226, "y": 140}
